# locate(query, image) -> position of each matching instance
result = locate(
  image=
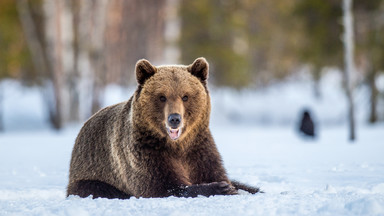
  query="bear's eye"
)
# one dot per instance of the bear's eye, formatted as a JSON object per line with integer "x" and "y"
{"x": 185, "y": 98}
{"x": 163, "y": 98}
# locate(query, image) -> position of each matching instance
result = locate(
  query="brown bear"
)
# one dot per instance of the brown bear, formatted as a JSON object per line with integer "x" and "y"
{"x": 156, "y": 144}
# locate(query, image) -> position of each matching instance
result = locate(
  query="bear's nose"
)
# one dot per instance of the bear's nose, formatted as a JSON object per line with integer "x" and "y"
{"x": 174, "y": 120}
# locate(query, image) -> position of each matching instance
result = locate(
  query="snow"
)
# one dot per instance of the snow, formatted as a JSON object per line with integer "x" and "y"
{"x": 22, "y": 106}
{"x": 300, "y": 176}
{"x": 327, "y": 176}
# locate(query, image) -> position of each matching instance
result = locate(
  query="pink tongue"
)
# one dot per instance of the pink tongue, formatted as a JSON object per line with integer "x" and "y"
{"x": 174, "y": 134}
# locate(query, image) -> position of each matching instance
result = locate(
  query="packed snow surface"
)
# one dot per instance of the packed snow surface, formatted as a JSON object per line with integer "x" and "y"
{"x": 326, "y": 176}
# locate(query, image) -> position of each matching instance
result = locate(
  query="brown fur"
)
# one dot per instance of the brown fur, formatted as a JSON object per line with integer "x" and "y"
{"x": 124, "y": 150}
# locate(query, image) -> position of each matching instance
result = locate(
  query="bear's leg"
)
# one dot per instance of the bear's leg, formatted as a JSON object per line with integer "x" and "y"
{"x": 97, "y": 189}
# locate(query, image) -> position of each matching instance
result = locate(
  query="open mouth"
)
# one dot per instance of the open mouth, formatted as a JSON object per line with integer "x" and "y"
{"x": 174, "y": 133}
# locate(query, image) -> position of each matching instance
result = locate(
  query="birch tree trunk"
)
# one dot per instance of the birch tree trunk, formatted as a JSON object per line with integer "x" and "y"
{"x": 349, "y": 64}
{"x": 59, "y": 37}
{"x": 92, "y": 22}
{"x": 41, "y": 62}
{"x": 75, "y": 87}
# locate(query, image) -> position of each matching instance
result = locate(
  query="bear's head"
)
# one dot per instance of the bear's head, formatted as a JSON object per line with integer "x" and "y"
{"x": 172, "y": 101}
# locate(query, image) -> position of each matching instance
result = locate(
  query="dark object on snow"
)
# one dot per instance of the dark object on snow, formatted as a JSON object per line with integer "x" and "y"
{"x": 307, "y": 126}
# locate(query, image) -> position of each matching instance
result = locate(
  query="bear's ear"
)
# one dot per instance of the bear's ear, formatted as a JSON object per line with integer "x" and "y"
{"x": 199, "y": 68}
{"x": 144, "y": 70}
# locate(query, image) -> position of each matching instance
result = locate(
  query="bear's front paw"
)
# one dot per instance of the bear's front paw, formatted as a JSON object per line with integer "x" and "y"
{"x": 222, "y": 188}
{"x": 214, "y": 188}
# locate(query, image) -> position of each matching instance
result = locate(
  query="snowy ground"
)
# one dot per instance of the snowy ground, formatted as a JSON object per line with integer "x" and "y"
{"x": 327, "y": 176}
{"x": 256, "y": 136}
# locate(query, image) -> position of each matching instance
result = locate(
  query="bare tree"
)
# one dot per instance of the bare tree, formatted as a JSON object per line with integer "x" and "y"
{"x": 349, "y": 64}
{"x": 95, "y": 47}
{"x": 36, "y": 44}
{"x": 59, "y": 44}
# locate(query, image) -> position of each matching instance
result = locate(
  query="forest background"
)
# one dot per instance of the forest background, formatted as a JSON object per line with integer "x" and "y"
{"x": 73, "y": 49}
